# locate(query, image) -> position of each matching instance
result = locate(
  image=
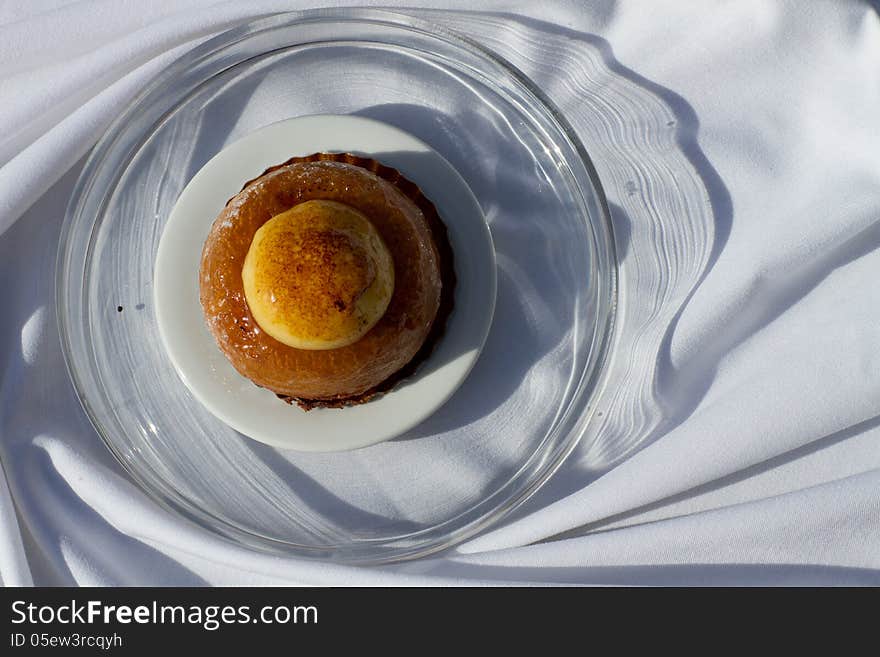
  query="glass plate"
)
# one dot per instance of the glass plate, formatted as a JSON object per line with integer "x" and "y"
{"x": 531, "y": 394}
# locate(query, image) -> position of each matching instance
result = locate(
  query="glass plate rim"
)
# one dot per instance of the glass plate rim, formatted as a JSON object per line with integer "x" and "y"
{"x": 591, "y": 380}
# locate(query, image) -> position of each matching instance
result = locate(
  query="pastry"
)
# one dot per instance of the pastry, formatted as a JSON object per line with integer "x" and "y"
{"x": 328, "y": 279}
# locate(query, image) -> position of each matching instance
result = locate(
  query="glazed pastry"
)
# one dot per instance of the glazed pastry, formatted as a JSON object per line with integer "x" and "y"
{"x": 327, "y": 280}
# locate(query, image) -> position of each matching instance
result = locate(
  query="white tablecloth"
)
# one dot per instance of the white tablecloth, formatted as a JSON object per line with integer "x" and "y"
{"x": 762, "y": 462}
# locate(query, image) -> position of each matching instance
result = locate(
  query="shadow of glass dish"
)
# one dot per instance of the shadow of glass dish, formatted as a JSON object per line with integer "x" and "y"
{"x": 445, "y": 479}
{"x": 671, "y": 213}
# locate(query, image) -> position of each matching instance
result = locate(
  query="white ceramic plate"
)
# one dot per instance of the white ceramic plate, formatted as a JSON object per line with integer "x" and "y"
{"x": 257, "y": 412}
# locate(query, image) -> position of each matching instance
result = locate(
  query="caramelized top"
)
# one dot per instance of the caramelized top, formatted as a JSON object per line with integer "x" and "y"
{"x": 318, "y": 276}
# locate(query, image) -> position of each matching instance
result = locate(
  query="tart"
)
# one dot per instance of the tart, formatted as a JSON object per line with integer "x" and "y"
{"x": 328, "y": 279}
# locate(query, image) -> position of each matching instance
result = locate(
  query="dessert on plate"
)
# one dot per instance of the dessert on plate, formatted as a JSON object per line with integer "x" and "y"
{"x": 328, "y": 279}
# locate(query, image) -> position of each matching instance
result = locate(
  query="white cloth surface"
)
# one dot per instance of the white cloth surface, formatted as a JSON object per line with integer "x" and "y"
{"x": 760, "y": 459}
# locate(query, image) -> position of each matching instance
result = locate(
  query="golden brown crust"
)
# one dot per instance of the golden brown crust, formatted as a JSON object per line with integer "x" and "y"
{"x": 393, "y": 348}
{"x": 331, "y": 274}
{"x": 318, "y": 276}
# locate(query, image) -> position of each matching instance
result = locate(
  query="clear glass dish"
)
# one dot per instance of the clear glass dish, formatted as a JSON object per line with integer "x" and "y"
{"x": 525, "y": 405}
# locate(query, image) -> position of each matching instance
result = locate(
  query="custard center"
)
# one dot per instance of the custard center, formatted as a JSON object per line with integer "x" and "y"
{"x": 318, "y": 276}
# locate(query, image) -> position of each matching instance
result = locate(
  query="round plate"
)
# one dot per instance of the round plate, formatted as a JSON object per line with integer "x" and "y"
{"x": 257, "y": 412}
{"x": 531, "y": 394}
